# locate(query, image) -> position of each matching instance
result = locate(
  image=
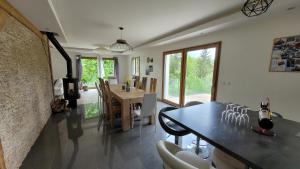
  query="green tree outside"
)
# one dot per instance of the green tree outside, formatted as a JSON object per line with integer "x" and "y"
{"x": 109, "y": 68}
{"x": 89, "y": 72}
{"x": 199, "y": 74}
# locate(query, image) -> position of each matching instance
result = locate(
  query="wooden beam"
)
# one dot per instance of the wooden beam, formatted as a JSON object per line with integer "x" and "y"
{"x": 3, "y": 17}
{"x": 18, "y": 16}
{"x": 2, "y": 163}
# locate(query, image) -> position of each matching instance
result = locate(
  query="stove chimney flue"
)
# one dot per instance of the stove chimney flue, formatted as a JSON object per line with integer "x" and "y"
{"x": 71, "y": 92}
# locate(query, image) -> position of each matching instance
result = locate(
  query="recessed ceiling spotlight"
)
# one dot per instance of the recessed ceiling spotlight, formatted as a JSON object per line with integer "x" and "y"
{"x": 291, "y": 8}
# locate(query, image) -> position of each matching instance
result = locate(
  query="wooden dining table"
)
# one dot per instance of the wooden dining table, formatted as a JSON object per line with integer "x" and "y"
{"x": 126, "y": 98}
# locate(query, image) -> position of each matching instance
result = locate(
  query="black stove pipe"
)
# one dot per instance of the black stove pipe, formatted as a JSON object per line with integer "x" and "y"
{"x": 51, "y": 37}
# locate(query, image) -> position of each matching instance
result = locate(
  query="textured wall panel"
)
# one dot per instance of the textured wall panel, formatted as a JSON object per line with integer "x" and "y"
{"x": 25, "y": 90}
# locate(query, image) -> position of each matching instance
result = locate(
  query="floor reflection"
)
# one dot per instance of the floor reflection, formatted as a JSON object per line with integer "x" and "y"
{"x": 72, "y": 141}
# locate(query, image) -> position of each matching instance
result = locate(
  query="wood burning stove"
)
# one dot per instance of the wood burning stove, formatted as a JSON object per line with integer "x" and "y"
{"x": 71, "y": 91}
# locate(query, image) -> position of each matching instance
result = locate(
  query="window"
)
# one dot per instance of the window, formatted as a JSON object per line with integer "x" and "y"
{"x": 109, "y": 67}
{"x": 191, "y": 74}
{"x": 135, "y": 66}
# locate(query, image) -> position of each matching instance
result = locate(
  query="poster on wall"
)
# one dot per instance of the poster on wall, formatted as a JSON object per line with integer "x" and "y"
{"x": 286, "y": 54}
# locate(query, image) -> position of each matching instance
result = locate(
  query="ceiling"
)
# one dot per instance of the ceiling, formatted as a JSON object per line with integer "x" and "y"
{"x": 94, "y": 23}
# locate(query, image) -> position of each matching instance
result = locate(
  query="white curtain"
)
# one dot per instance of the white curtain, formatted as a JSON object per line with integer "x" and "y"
{"x": 100, "y": 66}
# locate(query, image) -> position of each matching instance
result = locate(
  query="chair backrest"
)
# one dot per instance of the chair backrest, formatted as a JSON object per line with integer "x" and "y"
{"x": 136, "y": 81}
{"x": 170, "y": 129}
{"x": 143, "y": 86}
{"x": 149, "y": 104}
{"x": 167, "y": 153}
{"x": 108, "y": 99}
{"x": 192, "y": 103}
{"x": 153, "y": 82}
{"x": 222, "y": 160}
{"x": 102, "y": 88}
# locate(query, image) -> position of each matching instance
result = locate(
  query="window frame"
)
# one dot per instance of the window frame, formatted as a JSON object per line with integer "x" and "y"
{"x": 218, "y": 46}
{"x": 112, "y": 59}
{"x": 133, "y": 67}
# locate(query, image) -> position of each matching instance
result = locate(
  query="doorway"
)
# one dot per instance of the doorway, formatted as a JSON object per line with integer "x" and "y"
{"x": 191, "y": 74}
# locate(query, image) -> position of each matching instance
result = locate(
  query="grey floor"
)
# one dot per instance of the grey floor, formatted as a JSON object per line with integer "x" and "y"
{"x": 70, "y": 141}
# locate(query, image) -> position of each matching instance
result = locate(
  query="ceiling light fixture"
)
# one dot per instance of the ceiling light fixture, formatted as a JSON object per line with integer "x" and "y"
{"x": 256, "y": 7}
{"x": 120, "y": 45}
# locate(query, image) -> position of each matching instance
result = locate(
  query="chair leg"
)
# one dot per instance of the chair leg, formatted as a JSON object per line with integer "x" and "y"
{"x": 155, "y": 122}
{"x": 112, "y": 120}
{"x": 131, "y": 115}
{"x": 197, "y": 145}
{"x": 141, "y": 125}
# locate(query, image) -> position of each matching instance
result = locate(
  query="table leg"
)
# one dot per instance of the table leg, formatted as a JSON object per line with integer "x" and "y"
{"x": 125, "y": 115}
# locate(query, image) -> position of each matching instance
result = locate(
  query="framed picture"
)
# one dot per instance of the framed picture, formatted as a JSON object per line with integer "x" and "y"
{"x": 151, "y": 68}
{"x": 286, "y": 54}
{"x": 147, "y": 72}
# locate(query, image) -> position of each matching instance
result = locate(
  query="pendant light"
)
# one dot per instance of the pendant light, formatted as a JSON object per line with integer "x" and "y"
{"x": 120, "y": 45}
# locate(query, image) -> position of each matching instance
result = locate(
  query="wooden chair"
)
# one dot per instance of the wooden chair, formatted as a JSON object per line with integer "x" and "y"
{"x": 136, "y": 81}
{"x": 112, "y": 107}
{"x": 153, "y": 82}
{"x": 104, "y": 100}
{"x": 100, "y": 105}
{"x": 143, "y": 86}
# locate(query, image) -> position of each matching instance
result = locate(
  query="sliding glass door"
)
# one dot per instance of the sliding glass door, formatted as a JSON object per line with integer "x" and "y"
{"x": 191, "y": 74}
{"x": 199, "y": 74}
{"x": 172, "y": 80}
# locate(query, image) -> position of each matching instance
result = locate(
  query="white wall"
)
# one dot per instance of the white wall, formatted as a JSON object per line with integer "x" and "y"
{"x": 244, "y": 75}
{"x": 59, "y": 66}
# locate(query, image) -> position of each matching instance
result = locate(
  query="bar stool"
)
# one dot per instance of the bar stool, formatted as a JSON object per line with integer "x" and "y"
{"x": 170, "y": 127}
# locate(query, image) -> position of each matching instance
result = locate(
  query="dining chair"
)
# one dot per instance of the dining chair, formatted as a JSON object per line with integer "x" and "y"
{"x": 99, "y": 103}
{"x": 143, "y": 86}
{"x": 113, "y": 108}
{"x": 153, "y": 82}
{"x": 102, "y": 89}
{"x": 170, "y": 127}
{"x": 175, "y": 158}
{"x": 148, "y": 109}
{"x": 222, "y": 160}
{"x": 136, "y": 83}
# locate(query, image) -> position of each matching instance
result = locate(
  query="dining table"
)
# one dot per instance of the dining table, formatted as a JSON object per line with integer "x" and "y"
{"x": 127, "y": 98}
{"x": 281, "y": 151}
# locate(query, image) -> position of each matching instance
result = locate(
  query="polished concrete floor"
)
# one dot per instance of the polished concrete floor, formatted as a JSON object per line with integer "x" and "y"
{"x": 72, "y": 141}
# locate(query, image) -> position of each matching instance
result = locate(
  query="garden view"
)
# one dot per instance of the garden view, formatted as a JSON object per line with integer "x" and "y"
{"x": 199, "y": 75}
{"x": 90, "y": 70}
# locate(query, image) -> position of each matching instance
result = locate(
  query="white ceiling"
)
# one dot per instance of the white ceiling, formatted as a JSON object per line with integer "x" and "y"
{"x": 94, "y": 23}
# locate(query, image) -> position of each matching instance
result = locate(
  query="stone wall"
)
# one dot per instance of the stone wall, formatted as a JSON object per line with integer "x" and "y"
{"x": 25, "y": 90}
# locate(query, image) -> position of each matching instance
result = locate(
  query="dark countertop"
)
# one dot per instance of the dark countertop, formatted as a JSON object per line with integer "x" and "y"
{"x": 258, "y": 151}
